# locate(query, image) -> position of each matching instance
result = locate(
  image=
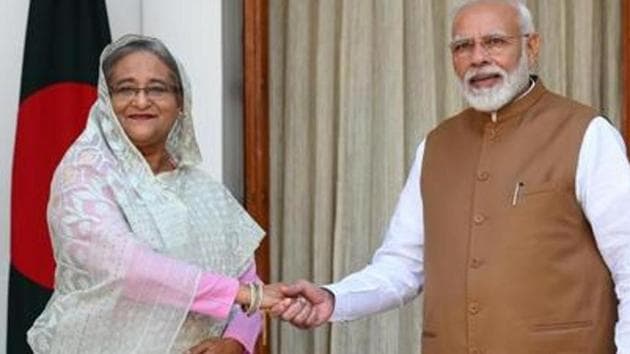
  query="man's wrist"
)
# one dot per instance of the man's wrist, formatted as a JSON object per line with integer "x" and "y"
{"x": 332, "y": 300}
{"x": 331, "y": 296}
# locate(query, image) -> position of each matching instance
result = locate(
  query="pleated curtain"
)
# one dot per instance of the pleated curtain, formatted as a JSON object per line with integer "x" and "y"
{"x": 355, "y": 85}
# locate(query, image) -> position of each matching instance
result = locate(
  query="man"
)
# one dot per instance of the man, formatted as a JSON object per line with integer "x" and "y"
{"x": 513, "y": 219}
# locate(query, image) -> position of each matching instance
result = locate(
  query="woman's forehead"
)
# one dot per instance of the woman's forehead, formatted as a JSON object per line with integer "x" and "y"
{"x": 141, "y": 65}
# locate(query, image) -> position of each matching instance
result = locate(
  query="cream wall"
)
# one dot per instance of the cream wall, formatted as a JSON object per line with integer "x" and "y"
{"x": 204, "y": 34}
{"x": 12, "y": 29}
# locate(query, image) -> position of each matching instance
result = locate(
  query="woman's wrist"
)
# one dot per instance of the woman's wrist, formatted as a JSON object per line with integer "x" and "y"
{"x": 243, "y": 296}
{"x": 250, "y": 297}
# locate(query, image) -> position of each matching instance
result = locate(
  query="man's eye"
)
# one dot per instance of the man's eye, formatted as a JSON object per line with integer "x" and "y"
{"x": 495, "y": 41}
{"x": 462, "y": 46}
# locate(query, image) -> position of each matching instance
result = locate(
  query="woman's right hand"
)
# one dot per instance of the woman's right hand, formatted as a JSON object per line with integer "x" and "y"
{"x": 272, "y": 295}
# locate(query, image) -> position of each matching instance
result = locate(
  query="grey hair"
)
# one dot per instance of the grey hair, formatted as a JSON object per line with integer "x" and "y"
{"x": 143, "y": 45}
{"x": 526, "y": 22}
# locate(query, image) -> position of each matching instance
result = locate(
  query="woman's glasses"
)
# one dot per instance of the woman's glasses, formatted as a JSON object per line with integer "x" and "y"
{"x": 126, "y": 93}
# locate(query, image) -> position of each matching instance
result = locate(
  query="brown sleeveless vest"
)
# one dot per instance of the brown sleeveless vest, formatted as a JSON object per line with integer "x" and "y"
{"x": 511, "y": 264}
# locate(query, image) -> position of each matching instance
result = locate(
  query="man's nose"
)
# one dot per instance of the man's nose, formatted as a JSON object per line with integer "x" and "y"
{"x": 479, "y": 55}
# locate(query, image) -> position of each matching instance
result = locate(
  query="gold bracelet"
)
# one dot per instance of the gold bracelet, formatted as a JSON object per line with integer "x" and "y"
{"x": 254, "y": 300}
{"x": 252, "y": 296}
{"x": 259, "y": 297}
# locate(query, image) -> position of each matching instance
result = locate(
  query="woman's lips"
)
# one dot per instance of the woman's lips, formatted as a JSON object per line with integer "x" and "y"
{"x": 141, "y": 116}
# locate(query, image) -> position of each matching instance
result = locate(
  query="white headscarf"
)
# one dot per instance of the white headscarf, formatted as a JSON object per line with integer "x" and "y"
{"x": 130, "y": 245}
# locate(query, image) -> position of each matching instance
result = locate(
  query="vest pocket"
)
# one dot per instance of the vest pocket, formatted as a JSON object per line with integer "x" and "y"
{"x": 560, "y": 326}
{"x": 571, "y": 337}
{"x": 529, "y": 189}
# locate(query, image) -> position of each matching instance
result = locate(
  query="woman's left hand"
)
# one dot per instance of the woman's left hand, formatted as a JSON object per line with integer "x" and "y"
{"x": 217, "y": 346}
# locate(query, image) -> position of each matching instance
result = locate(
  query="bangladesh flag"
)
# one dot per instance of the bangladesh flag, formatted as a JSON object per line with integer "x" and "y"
{"x": 64, "y": 39}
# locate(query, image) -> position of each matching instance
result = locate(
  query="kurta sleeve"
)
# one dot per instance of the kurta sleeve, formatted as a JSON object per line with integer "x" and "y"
{"x": 603, "y": 189}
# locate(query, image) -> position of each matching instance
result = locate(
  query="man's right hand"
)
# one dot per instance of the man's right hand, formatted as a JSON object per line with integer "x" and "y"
{"x": 313, "y": 306}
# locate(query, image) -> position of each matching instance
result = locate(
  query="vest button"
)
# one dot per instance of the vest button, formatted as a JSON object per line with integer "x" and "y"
{"x": 475, "y": 263}
{"x": 483, "y": 175}
{"x": 479, "y": 219}
{"x": 473, "y": 308}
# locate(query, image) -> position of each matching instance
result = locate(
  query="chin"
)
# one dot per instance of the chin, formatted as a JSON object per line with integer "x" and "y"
{"x": 489, "y": 99}
{"x": 140, "y": 137}
{"x": 493, "y": 98}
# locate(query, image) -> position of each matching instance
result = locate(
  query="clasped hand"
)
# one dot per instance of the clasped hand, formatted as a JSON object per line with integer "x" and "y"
{"x": 303, "y": 304}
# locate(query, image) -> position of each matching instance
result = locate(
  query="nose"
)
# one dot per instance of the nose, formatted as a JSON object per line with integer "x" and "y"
{"x": 141, "y": 100}
{"x": 479, "y": 55}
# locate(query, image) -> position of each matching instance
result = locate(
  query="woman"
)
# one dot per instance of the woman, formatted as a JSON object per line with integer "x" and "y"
{"x": 152, "y": 255}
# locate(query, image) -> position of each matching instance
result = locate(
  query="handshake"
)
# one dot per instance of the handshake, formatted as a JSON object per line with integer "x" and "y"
{"x": 302, "y": 303}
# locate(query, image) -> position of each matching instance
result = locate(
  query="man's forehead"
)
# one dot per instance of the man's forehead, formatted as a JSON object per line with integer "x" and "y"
{"x": 485, "y": 18}
{"x": 497, "y": 32}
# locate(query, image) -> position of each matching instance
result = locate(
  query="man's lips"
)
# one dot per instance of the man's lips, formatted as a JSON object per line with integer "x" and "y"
{"x": 484, "y": 80}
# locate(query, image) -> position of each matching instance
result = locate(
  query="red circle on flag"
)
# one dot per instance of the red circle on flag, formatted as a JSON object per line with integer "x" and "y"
{"x": 49, "y": 120}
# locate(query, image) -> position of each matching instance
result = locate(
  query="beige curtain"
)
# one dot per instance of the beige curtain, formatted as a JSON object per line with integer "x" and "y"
{"x": 355, "y": 85}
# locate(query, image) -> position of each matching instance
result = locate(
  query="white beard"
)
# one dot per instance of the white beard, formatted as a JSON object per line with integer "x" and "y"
{"x": 491, "y": 99}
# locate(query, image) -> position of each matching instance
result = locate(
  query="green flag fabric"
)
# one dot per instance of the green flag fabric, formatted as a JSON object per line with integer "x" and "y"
{"x": 64, "y": 39}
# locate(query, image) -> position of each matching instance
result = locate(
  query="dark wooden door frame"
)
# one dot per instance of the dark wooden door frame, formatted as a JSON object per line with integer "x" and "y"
{"x": 625, "y": 62}
{"x": 256, "y": 128}
{"x": 257, "y": 122}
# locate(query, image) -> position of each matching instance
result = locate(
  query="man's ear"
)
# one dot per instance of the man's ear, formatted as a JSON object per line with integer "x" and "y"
{"x": 533, "y": 49}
